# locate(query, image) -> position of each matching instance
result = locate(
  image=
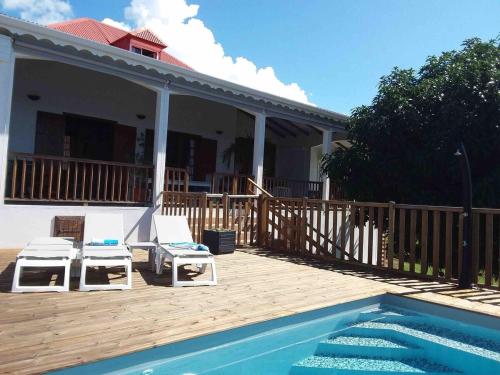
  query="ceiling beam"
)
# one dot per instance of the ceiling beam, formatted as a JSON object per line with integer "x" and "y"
{"x": 277, "y": 132}
{"x": 281, "y": 127}
{"x": 291, "y": 124}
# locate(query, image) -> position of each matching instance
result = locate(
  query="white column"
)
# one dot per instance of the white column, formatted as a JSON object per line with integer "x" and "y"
{"x": 160, "y": 142}
{"x": 259, "y": 140}
{"x": 7, "y": 62}
{"x": 326, "y": 149}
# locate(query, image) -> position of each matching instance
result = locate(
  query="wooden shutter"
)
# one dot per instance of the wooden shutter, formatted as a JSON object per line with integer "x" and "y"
{"x": 49, "y": 138}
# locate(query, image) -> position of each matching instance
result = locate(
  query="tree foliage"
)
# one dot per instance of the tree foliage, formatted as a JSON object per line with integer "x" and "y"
{"x": 403, "y": 143}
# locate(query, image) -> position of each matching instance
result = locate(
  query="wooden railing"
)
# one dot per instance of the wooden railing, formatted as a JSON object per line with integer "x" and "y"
{"x": 176, "y": 179}
{"x": 204, "y": 211}
{"x": 417, "y": 241}
{"x": 229, "y": 183}
{"x": 58, "y": 179}
{"x": 282, "y": 187}
{"x": 420, "y": 241}
{"x": 336, "y": 192}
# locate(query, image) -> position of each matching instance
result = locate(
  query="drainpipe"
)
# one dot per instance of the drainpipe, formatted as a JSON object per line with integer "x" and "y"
{"x": 465, "y": 281}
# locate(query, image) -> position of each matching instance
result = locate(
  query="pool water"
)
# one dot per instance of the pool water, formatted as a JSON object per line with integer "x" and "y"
{"x": 379, "y": 335}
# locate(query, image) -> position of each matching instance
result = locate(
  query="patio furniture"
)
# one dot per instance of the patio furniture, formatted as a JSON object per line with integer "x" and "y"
{"x": 105, "y": 226}
{"x": 175, "y": 229}
{"x": 145, "y": 245}
{"x": 45, "y": 252}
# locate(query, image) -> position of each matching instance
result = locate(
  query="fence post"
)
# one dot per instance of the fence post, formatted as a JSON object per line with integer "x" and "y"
{"x": 259, "y": 220}
{"x": 163, "y": 205}
{"x": 225, "y": 211}
{"x": 303, "y": 225}
{"x": 203, "y": 213}
{"x": 390, "y": 242}
{"x": 234, "y": 185}
{"x": 186, "y": 182}
{"x": 262, "y": 217}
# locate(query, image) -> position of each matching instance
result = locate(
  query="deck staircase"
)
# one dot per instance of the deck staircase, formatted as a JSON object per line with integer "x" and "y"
{"x": 385, "y": 342}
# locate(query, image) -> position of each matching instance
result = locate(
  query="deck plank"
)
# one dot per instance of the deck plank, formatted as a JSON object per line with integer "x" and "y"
{"x": 44, "y": 331}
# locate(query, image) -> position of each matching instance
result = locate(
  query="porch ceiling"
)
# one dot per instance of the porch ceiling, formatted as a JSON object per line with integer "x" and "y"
{"x": 35, "y": 40}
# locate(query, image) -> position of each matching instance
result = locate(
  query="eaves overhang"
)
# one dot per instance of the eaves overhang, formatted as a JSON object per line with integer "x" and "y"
{"x": 47, "y": 41}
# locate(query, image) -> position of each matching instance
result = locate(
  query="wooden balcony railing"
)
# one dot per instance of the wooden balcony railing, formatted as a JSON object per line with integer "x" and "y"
{"x": 176, "y": 179}
{"x": 229, "y": 183}
{"x": 43, "y": 178}
{"x": 282, "y": 187}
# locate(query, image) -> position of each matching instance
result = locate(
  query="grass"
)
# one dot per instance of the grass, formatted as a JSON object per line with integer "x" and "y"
{"x": 418, "y": 270}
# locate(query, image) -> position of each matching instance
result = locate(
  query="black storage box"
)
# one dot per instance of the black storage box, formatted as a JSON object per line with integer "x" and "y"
{"x": 220, "y": 242}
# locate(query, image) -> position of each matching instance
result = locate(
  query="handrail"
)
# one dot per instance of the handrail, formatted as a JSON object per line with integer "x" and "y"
{"x": 77, "y": 160}
{"x": 232, "y": 196}
{"x": 269, "y": 195}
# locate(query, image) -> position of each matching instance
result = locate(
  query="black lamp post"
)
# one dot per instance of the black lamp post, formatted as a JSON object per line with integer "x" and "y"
{"x": 465, "y": 280}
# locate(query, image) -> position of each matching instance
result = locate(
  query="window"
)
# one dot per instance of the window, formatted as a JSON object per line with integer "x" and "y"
{"x": 144, "y": 52}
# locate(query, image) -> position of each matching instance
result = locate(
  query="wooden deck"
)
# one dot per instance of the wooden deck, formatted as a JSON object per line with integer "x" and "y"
{"x": 43, "y": 331}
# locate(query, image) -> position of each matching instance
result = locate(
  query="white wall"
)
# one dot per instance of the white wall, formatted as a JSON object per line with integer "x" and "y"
{"x": 20, "y": 223}
{"x": 65, "y": 88}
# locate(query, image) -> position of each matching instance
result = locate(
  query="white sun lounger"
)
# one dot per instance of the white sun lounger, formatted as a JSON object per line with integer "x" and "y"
{"x": 105, "y": 226}
{"x": 175, "y": 229}
{"x": 43, "y": 252}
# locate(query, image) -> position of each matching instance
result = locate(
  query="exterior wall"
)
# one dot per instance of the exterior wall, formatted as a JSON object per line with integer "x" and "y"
{"x": 292, "y": 153}
{"x": 64, "y": 88}
{"x": 193, "y": 115}
{"x": 314, "y": 162}
{"x": 20, "y": 223}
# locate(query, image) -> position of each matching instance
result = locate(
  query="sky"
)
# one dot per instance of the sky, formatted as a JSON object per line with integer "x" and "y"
{"x": 328, "y": 53}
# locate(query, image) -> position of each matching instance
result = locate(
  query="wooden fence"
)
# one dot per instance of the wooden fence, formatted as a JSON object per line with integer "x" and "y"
{"x": 210, "y": 211}
{"x": 176, "y": 179}
{"x": 59, "y": 179}
{"x": 414, "y": 240}
{"x": 229, "y": 183}
{"x": 419, "y": 241}
{"x": 282, "y": 187}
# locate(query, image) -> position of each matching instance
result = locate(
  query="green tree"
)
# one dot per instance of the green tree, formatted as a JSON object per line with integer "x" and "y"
{"x": 403, "y": 143}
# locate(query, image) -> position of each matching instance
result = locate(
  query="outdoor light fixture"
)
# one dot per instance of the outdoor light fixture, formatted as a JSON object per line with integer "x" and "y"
{"x": 33, "y": 97}
{"x": 465, "y": 280}
{"x": 140, "y": 116}
{"x": 219, "y": 132}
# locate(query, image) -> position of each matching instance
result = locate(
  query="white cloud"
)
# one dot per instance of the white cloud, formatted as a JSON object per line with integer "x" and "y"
{"x": 120, "y": 25}
{"x": 191, "y": 41}
{"x": 41, "y": 11}
{"x": 187, "y": 38}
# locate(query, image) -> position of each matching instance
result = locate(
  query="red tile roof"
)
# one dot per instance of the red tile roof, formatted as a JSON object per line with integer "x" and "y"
{"x": 146, "y": 34}
{"x": 96, "y": 31}
{"x": 90, "y": 29}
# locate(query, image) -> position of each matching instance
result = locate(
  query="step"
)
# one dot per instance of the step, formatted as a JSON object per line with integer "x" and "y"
{"x": 366, "y": 345}
{"x": 322, "y": 364}
{"x": 435, "y": 346}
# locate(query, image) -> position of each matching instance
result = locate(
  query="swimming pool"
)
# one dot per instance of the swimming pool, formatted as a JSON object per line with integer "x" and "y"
{"x": 379, "y": 335}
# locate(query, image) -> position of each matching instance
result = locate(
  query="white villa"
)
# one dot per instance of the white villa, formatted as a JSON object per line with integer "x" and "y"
{"x": 96, "y": 119}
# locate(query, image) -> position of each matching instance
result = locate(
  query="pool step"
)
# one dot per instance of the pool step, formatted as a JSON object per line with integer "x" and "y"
{"x": 365, "y": 345}
{"x": 360, "y": 365}
{"x": 415, "y": 343}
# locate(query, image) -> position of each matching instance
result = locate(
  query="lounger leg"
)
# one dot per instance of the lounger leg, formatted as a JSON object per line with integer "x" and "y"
{"x": 17, "y": 277}
{"x": 160, "y": 260}
{"x": 129, "y": 275}
{"x": 202, "y": 268}
{"x": 175, "y": 269}
{"x": 83, "y": 274}
{"x": 214, "y": 272}
{"x": 152, "y": 259}
{"x": 67, "y": 271}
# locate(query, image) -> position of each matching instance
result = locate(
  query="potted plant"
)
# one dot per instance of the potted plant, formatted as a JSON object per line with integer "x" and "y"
{"x": 220, "y": 241}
